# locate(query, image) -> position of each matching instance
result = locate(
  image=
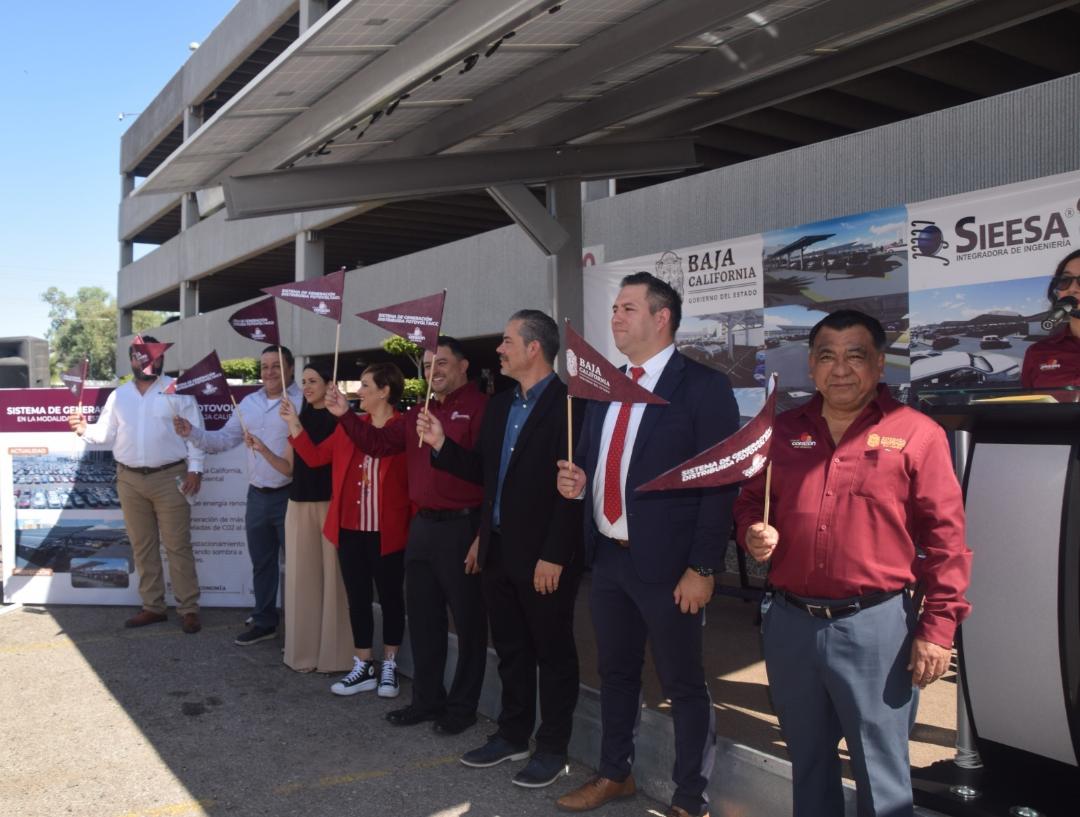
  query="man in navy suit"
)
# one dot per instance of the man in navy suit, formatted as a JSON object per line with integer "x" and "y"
{"x": 653, "y": 554}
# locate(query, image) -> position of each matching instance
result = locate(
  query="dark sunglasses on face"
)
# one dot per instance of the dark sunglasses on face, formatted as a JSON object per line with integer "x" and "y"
{"x": 1062, "y": 282}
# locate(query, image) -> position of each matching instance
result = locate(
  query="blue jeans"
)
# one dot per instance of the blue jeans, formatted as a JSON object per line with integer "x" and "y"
{"x": 264, "y": 521}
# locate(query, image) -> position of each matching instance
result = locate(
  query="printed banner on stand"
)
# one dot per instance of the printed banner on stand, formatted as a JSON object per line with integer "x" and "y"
{"x": 62, "y": 529}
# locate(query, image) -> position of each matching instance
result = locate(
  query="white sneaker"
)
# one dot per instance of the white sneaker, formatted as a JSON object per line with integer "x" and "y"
{"x": 361, "y": 679}
{"x": 388, "y": 683}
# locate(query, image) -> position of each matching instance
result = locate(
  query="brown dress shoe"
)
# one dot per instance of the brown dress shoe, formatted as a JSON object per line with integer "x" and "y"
{"x": 677, "y": 811}
{"x": 595, "y": 793}
{"x": 190, "y": 624}
{"x": 144, "y": 617}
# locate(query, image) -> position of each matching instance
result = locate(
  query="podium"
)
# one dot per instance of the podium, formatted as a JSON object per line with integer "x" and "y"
{"x": 1020, "y": 648}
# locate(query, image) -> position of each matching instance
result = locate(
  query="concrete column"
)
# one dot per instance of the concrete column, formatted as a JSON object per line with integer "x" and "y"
{"x": 310, "y": 12}
{"x": 189, "y": 207}
{"x": 127, "y": 248}
{"x": 564, "y": 204}
{"x": 189, "y": 299}
{"x": 125, "y": 325}
{"x": 310, "y": 255}
{"x": 597, "y": 189}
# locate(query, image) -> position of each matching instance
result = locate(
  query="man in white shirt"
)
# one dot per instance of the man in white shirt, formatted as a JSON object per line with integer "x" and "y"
{"x": 268, "y": 491}
{"x": 152, "y": 463}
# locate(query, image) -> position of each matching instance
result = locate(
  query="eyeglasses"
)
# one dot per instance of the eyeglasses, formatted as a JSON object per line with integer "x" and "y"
{"x": 1063, "y": 282}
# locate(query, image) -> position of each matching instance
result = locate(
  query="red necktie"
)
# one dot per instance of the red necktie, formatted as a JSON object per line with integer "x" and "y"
{"x": 612, "y": 468}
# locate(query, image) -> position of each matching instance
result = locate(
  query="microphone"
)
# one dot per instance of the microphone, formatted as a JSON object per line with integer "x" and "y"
{"x": 1062, "y": 308}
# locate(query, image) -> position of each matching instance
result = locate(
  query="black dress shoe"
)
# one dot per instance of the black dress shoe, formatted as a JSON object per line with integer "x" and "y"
{"x": 411, "y": 715}
{"x": 453, "y": 724}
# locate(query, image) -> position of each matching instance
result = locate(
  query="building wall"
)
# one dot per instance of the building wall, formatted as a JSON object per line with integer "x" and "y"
{"x": 1010, "y": 138}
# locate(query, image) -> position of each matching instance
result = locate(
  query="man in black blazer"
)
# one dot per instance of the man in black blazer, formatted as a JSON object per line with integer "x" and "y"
{"x": 653, "y": 554}
{"x": 530, "y": 549}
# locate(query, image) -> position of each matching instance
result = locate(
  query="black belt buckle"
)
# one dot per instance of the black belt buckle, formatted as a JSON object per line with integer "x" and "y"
{"x": 826, "y": 611}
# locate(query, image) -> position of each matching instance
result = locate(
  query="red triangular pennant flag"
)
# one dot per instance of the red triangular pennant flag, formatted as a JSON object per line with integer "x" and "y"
{"x": 257, "y": 321}
{"x": 323, "y": 296}
{"x": 418, "y": 320}
{"x": 590, "y": 375}
{"x": 147, "y": 354}
{"x": 205, "y": 381}
{"x": 75, "y": 378}
{"x": 741, "y": 456}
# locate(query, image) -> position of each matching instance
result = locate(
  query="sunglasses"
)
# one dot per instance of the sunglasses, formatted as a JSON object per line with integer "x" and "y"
{"x": 1063, "y": 282}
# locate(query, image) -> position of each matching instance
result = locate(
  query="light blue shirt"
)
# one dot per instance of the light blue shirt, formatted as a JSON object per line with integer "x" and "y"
{"x": 261, "y": 418}
{"x": 520, "y": 409}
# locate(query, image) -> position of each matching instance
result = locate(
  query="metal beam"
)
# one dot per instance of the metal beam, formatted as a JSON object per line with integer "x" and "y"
{"x": 321, "y": 186}
{"x": 755, "y": 51}
{"x": 531, "y": 216}
{"x": 660, "y": 26}
{"x": 456, "y": 32}
{"x": 965, "y": 23}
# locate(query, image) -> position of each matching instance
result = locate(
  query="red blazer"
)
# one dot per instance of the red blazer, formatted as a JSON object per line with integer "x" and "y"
{"x": 395, "y": 510}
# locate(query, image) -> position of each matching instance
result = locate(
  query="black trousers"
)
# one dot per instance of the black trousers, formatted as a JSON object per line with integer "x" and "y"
{"x": 362, "y": 564}
{"x": 532, "y": 631}
{"x": 435, "y": 580}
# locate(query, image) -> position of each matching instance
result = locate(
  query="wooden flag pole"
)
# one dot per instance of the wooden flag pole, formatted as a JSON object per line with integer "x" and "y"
{"x": 239, "y": 416}
{"x": 281, "y": 364}
{"x": 768, "y": 485}
{"x": 419, "y": 434}
{"x": 85, "y": 372}
{"x": 337, "y": 345}
{"x": 569, "y": 430}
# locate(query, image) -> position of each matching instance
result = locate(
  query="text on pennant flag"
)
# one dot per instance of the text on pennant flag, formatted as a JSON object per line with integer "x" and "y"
{"x": 257, "y": 321}
{"x": 145, "y": 355}
{"x": 205, "y": 381}
{"x": 592, "y": 376}
{"x": 739, "y": 457}
{"x": 418, "y": 320}
{"x": 323, "y": 296}
{"x": 75, "y": 378}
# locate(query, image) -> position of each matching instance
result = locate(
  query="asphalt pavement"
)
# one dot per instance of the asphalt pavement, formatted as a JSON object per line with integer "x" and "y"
{"x": 105, "y": 722}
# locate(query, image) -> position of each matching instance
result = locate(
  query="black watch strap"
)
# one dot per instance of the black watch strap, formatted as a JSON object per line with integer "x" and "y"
{"x": 703, "y": 571}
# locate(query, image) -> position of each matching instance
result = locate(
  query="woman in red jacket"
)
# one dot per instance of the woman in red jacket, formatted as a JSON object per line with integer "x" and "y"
{"x": 368, "y": 522}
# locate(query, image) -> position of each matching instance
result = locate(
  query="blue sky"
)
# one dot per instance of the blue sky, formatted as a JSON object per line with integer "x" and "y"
{"x": 1025, "y": 296}
{"x": 68, "y": 68}
{"x": 876, "y": 227}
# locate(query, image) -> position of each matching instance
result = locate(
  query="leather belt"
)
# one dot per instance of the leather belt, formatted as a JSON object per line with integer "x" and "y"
{"x": 153, "y": 470}
{"x": 840, "y": 609}
{"x": 623, "y": 543}
{"x": 263, "y": 490}
{"x": 445, "y": 514}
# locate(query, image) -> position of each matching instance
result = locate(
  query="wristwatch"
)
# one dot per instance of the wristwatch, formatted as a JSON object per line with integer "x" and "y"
{"x": 703, "y": 571}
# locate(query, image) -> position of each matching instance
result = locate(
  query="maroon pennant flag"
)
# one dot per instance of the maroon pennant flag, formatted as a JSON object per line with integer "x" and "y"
{"x": 323, "y": 296}
{"x": 417, "y": 320}
{"x": 741, "y": 456}
{"x": 147, "y": 354}
{"x": 75, "y": 377}
{"x": 590, "y": 375}
{"x": 205, "y": 381}
{"x": 257, "y": 321}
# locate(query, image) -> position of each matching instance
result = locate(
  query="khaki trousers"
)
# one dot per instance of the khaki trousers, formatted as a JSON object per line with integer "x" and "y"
{"x": 317, "y": 631}
{"x": 155, "y": 514}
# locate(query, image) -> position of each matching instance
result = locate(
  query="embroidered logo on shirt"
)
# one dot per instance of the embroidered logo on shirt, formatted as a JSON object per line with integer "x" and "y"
{"x": 875, "y": 440}
{"x": 1049, "y": 365}
{"x": 804, "y": 440}
{"x": 456, "y": 415}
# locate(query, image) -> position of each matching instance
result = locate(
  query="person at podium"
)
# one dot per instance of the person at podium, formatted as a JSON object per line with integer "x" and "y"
{"x": 1055, "y": 361}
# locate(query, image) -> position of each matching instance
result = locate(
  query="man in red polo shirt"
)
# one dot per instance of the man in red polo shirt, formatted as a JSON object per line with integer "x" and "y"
{"x": 865, "y": 508}
{"x": 440, "y": 556}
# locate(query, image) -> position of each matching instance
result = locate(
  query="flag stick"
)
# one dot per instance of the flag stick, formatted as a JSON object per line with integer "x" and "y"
{"x": 85, "y": 372}
{"x": 337, "y": 344}
{"x": 281, "y": 364}
{"x": 569, "y": 430}
{"x": 419, "y": 434}
{"x": 768, "y": 484}
{"x": 239, "y": 416}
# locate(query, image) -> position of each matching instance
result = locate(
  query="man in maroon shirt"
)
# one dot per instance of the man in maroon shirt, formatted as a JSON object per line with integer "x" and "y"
{"x": 440, "y": 557}
{"x": 865, "y": 507}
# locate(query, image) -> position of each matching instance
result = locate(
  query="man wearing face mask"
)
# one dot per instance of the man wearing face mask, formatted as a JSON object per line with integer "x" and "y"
{"x": 150, "y": 459}
{"x": 268, "y": 489}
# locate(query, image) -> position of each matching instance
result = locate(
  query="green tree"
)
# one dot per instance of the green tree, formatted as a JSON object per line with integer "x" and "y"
{"x": 397, "y": 345}
{"x": 241, "y": 368}
{"x": 85, "y": 325}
